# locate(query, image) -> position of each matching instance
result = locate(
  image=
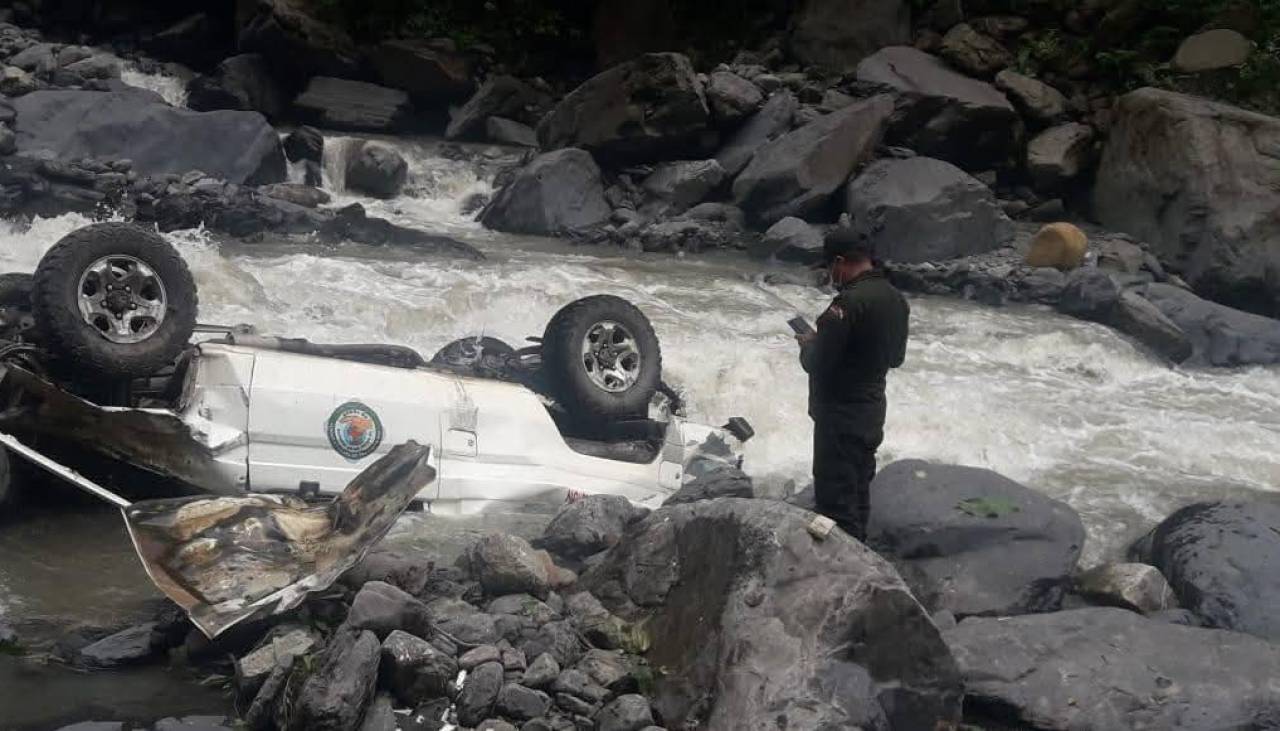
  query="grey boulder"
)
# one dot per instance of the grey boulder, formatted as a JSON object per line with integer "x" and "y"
{"x": 376, "y": 169}
{"x": 791, "y": 239}
{"x": 677, "y": 186}
{"x": 808, "y": 633}
{"x": 241, "y": 82}
{"x": 428, "y": 71}
{"x": 353, "y": 105}
{"x": 415, "y": 671}
{"x": 383, "y": 609}
{"x": 921, "y": 209}
{"x": 650, "y": 108}
{"x": 1109, "y": 669}
{"x": 973, "y": 542}
{"x": 510, "y": 132}
{"x": 479, "y": 694}
{"x": 1134, "y": 586}
{"x": 942, "y": 113}
{"x": 334, "y": 696}
{"x": 126, "y": 647}
{"x": 1220, "y": 335}
{"x": 588, "y": 526}
{"x": 1035, "y": 99}
{"x": 1219, "y": 559}
{"x": 1197, "y": 180}
{"x": 837, "y": 34}
{"x": 732, "y": 98}
{"x": 796, "y": 173}
{"x": 499, "y": 96}
{"x": 506, "y": 564}
{"x": 974, "y": 53}
{"x": 771, "y": 122}
{"x": 159, "y": 139}
{"x": 1059, "y": 156}
{"x": 626, "y": 713}
{"x": 557, "y": 192}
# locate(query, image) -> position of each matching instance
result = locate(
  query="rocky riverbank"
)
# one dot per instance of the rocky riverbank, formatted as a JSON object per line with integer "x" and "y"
{"x": 721, "y": 611}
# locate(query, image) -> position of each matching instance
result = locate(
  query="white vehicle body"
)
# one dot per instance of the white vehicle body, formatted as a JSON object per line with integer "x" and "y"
{"x": 274, "y": 421}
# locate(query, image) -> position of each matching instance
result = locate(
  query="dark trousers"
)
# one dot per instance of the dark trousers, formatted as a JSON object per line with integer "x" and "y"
{"x": 843, "y": 465}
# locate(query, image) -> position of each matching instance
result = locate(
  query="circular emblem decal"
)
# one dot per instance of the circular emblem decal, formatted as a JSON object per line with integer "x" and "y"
{"x": 354, "y": 431}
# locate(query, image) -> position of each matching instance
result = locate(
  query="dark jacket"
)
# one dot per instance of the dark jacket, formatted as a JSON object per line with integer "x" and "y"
{"x": 861, "y": 336}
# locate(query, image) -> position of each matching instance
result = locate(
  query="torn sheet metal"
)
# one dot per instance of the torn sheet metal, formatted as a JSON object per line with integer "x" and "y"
{"x": 227, "y": 559}
{"x": 154, "y": 439}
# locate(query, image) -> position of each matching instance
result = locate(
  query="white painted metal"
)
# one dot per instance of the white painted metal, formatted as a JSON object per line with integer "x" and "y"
{"x": 75, "y": 478}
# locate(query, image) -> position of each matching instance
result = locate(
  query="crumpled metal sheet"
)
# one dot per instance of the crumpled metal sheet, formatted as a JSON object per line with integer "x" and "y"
{"x": 227, "y": 559}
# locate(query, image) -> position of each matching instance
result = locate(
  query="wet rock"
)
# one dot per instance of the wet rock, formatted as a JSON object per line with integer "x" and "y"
{"x": 479, "y": 694}
{"x": 522, "y": 704}
{"x": 1090, "y": 294}
{"x": 127, "y": 647}
{"x": 558, "y": 192}
{"x": 1214, "y": 224}
{"x": 305, "y": 143}
{"x": 1219, "y": 48}
{"x": 941, "y": 113}
{"x": 1043, "y": 284}
{"x": 627, "y": 713}
{"x": 383, "y": 609}
{"x": 556, "y": 638}
{"x": 334, "y": 696}
{"x": 1110, "y": 669}
{"x": 650, "y": 108}
{"x": 589, "y": 526}
{"x": 415, "y": 671}
{"x": 510, "y": 132}
{"x": 578, "y": 684}
{"x": 1035, "y": 99}
{"x": 677, "y": 186}
{"x": 159, "y": 139}
{"x": 15, "y": 82}
{"x": 732, "y": 98}
{"x": 693, "y": 236}
{"x": 609, "y": 669}
{"x": 296, "y": 43}
{"x": 771, "y": 122}
{"x": 796, "y": 173}
{"x": 428, "y": 71}
{"x": 729, "y": 635}
{"x": 478, "y": 656}
{"x": 381, "y": 715}
{"x": 428, "y": 717}
{"x": 1143, "y": 321}
{"x": 837, "y": 34}
{"x": 597, "y": 624}
{"x": 523, "y": 605}
{"x": 241, "y": 82}
{"x": 922, "y": 209}
{"x": 100, "y": 66}
{"x": 377, "y": 169}
{"x": 499, "y": 96}
{"x": 542, "y": 672}
{"x": 506, "y": 564}
{"x": 1217, "y": 557}
{"x": 720, "y": 482}
{"x": 262, "y": 710}
{"x": 280, "y": 648}
{"x": 302, "y": 195}
{"x": 353, "y": 105}
{"x": 1058, "y": 156}
{"x": 974, "y": 53}
{"x": 1221, "y": 336}
{"x": 473, "y": 629}
{"x": 972, "y": 541}
{"x": 40, "y": 58}
{"x": 1133, "y": 586}
{"x": 791, "y": 239}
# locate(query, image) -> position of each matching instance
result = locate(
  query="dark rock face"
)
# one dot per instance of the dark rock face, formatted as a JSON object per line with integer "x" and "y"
{"x": 796, "y": 173}
{"x": 1215, "y": 223}
{"x": 746, "y": 608}
{"x": 414, "y": 670}
{"x": 294, "y": 41}
{"x": 837, "y": 34}
{"x": 590, "y": 525}
{"x": 499, "y": 96}
{"x": 1112, "y": 670}
{"x": 334, "y": 696}
{"x": 428, "y": 72}
{"x": 771, "y": 122}
{"x": 973, "y": 542}
{"x": 941, "y": 113}
{"x": 383, "y": 609}
{"x": 1219, "y": 559}
{"x": 157, "y": 138}
{"x": 241, "y": 82}
{"x": 921, "y": 209}
{"x": 353, "y": 105}
{"x": 127, "y": 647}
{"x": 378, "y": 170}
{"x": 559, "y": 191}
{"x": 651, "y": 108}
{"x": 479, "y": 694}
{"x": 1222, "y": 336}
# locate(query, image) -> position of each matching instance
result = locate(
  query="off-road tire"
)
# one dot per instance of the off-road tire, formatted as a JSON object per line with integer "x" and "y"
{"x": 566, "y": 375}
{"x": 77, "y": 344}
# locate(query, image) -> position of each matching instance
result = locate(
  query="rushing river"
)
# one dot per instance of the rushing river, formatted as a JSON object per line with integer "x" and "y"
{"x": 1069, "y": 408}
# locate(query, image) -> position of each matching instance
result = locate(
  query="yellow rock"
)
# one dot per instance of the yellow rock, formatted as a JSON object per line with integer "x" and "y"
{"x": 1058, "y": 245}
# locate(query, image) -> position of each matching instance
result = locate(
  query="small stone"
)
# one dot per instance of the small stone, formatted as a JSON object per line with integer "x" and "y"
{"x": 507, "y": 564}
{"x": 609, "y": 669}
{"x": 512, "y": 660}
{"x": 557, "y": 638}
{"x": 1134, "y": 586}
{"x": 126, "y": 647}
{"x": 254, "y": 667}
{"x": 627, "y": 713}
{"x": 414, "y": 670}
{"x": 542, "y": 672}
{"x": 521, "y": 703}
{"x": 578, "y": 684}
{"x": 523, "y": 605}
{"x": 479, "y": 656}
{"x": 383, "y": 608}
{"x": 576, "y": 705}
{"x": 480, "y": 694}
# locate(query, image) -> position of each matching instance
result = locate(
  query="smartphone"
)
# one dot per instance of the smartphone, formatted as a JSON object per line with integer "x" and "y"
{"x": 800, "y": 326}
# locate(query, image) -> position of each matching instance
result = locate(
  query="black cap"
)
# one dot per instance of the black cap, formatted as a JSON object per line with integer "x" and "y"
{"x": 847, "y": 242}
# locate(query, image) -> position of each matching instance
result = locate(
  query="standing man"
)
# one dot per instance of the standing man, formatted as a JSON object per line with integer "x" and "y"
{"x": 860, "y": 337}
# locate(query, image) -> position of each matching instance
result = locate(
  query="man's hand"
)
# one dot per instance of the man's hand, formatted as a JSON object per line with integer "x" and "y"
{"x": 806, "y": 338}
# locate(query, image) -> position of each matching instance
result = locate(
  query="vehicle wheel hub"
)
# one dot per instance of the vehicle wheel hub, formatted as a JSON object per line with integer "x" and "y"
{"x": 611, "y": 356}
{"x": 122, "y": 298}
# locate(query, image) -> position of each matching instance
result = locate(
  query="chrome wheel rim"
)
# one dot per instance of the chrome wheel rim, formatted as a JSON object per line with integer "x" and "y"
{"x": 611, "y": 356}
{"x": 122, "y": 298}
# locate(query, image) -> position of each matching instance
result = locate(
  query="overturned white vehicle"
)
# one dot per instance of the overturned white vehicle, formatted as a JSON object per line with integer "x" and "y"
{"x": 100, "y": 356}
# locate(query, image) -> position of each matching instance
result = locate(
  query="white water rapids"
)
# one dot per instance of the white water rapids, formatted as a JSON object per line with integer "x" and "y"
{"x": 1069, "y": 408}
